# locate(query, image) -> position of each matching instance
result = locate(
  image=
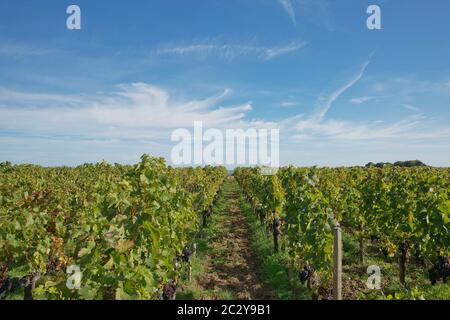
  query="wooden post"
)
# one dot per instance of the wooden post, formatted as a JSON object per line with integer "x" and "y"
{"x": 337, "y": 266}
{"x": 194, "y": 249}
{"x": 109, "y": 293}
{"x": 189, "y": 271}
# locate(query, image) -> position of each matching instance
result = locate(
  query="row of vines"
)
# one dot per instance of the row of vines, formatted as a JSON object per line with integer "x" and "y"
{"x": 405, "y": 211}
{"x": 125, "y": 229}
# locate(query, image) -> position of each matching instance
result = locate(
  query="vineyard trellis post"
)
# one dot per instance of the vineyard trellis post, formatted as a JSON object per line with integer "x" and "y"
{"x": 337, "y": 265}
{"x": 189, "y": 271}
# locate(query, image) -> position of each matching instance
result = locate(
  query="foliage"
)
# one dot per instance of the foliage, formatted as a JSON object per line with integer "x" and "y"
{"x": 124, "y": 226}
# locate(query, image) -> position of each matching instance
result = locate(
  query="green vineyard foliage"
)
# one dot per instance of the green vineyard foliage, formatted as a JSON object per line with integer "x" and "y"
{"x": 401, "y": 207}
{"x": 124, "y": 226}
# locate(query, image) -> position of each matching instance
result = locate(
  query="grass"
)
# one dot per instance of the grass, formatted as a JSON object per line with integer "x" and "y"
{"x": 355, "y": 276}
{"x": 191, "y": 290}
{"x": 272, "y": 267}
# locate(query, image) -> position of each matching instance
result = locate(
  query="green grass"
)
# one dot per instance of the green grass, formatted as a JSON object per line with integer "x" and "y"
{"x": 190, "y": 290}
{"x": 273, "y": 269}
{"x": 272, "y": 266}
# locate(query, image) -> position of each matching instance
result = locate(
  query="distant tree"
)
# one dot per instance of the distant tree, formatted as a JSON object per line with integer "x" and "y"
{"x": 408, "y": 164}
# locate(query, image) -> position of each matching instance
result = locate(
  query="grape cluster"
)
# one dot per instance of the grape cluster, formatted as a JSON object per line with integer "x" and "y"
{"x": 403, "y": 247}
{"x": 385, "y": 252}
{"x": 328, "y": 296}
{"x": 325, "y": 294}
{"x": 53, "y": 265}
{"x": 8, "y": 285}
{"x": 169, "y": 290}
{"x": 440, "y": 270}
{"x": 277, "y": 222}
{"x": 306, "y": 273}
{"x": 186, "y": 254}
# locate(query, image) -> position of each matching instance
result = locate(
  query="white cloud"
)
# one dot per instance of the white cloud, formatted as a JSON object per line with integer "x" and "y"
{"x": 323, "y": 108}
{"x": 288, "y": 104}
{"x": 407, "y": 86}
{"x": 359, "y": 100}
{"x": 410, "y": 107}
{"x": 317, "y": 128}
{"x": 8, "y": 96}
{"x": 136, "y": 118}
{"x": 230, "y": 51}
{"x": 135, "y": 111}
{"x": 289, "y": 9}
{"x": 412, "y": 128}
{"x": 140, "y": 111}
{"x": 203, "y": 49}
{"x": 270, "y": 53}
{"x": 21, "y": 50}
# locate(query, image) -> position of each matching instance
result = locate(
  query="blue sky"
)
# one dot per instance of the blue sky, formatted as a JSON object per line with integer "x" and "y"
{"x": 339, "y": 93}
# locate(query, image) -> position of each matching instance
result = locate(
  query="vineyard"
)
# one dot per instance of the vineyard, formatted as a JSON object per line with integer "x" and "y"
{"x": 404, "y": 212}
{"x": 128, "y": 229}
{"x": 131, "y": 232}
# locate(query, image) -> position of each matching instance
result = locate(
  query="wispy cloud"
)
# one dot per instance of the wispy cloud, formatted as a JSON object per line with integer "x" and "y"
{"x": 9, "y": 97}
{"x": 360, "y": 100}
{"x": 139, "y": 118}
{"x": 21, "y": 50}
{"x": 410, "y": 107}
{"x": 315, "y": 12}
{"x": 342, "y": 130}
{"x": 288, "y": 104}
{"x": 408, "y": 85}
{"x": 270, "y": 53}
{"x": 231, "y": 51}
{"x": 134, "y": 111}
{"x": 325, "y": 103}
{"x": 316, "y": 127}
{"x": 289, "y": 9}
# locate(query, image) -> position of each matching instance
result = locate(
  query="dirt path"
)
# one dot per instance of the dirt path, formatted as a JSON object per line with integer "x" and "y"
{"x": 231, "y": 265}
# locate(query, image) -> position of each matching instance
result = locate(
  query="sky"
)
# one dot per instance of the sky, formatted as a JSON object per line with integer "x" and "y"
{"x": 339, "y": 93}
